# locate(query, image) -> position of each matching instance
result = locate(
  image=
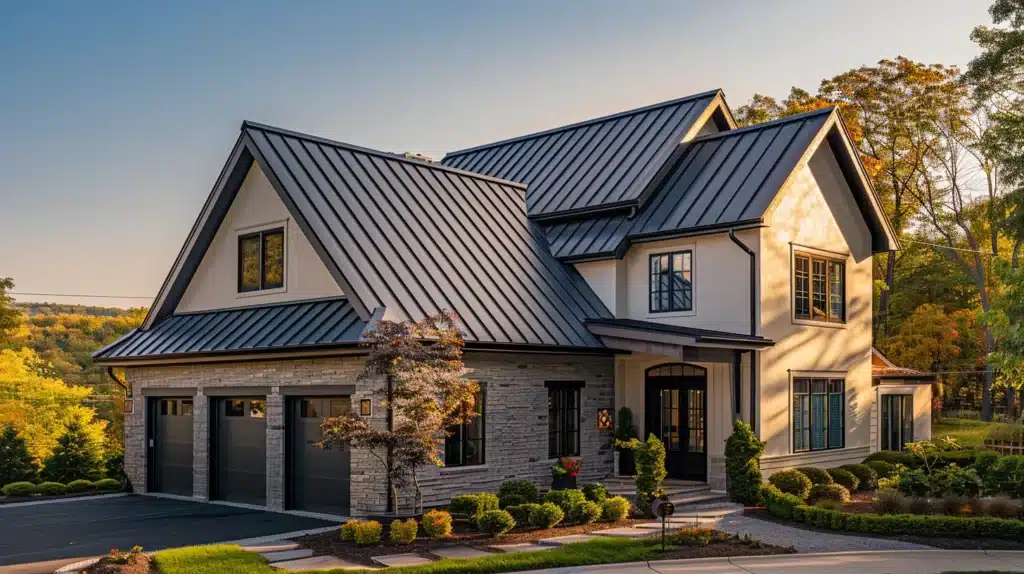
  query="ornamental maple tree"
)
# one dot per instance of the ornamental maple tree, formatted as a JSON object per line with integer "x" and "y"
{"x": 425, "y": 394}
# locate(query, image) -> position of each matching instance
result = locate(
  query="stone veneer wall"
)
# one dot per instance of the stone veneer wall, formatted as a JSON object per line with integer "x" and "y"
{"x": 515, "y": 424}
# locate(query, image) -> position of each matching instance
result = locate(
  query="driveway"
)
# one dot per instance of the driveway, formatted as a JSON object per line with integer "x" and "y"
{"x": 81, "y": 529}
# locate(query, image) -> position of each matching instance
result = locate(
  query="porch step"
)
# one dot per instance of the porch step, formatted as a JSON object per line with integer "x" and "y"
{"x": 624, "y": 486}
{"x": 693, "y": 499}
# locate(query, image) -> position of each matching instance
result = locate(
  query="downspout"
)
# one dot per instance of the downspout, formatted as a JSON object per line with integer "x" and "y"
{"x": 124, "y": 385}
{"x": 753, "y": 325}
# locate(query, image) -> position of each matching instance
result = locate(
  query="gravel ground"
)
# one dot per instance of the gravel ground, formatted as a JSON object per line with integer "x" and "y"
{"x": 806, "y": 540}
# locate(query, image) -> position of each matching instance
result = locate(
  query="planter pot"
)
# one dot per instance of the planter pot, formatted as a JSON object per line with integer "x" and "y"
{"x": 627, "y": 462}
{"x": 564, "y": 483}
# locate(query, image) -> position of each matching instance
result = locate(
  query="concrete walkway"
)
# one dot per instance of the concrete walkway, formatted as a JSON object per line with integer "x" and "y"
{"x": 804, "y": 540}
{"x": 892, "y": 562}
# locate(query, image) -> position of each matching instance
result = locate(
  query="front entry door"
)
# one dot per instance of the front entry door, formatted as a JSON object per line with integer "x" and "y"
{"x": 676, "y": 411}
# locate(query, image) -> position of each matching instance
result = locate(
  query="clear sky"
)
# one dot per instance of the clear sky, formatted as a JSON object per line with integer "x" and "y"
{"x": 116, "y": 117}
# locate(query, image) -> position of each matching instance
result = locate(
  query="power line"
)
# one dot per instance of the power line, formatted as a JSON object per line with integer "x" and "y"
{"x": 939, "y": 245}
{"x": 79, "y": 295}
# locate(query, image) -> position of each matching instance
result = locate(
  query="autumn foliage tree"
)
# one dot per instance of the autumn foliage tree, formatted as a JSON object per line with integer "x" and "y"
{"x": 418, "y": 365}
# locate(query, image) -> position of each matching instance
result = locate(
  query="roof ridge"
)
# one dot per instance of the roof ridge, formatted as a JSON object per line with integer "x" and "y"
{"x": 762, "y": 125}
{"x": 576, "y": 125}
{"x": 386, "y": 155}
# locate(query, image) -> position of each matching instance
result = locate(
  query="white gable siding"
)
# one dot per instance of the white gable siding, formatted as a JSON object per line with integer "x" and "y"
{"x": 607, "y": 279}
{"x": 257, "y": 206}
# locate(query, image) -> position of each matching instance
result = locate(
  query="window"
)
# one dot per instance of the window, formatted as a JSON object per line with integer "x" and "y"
{"x": 672, "y": 282}
{"x": 819, "y": 288}
{"x": 897, "y": 421}
{"x": 261, "y": 260}
{"x": 563, "y": 419}
{"x": 465, "y": 446}
{"x": 818, "y": 414}
{"x": 233, "y": 408}
{"x": 186, "y": 407}
{"x": 258, "y": 409}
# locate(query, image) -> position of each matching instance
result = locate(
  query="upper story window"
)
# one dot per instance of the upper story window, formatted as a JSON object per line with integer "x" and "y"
{"x": 672, "y": 282}
{"x": 261, "y": 260}
{"x": 819, "y": 288}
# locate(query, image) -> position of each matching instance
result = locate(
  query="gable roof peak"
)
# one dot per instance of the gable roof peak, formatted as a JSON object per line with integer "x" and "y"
{"x": 762, "y": 125}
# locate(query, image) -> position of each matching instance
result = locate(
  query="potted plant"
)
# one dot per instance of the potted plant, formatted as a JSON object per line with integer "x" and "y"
{"x": 625, "y": 434}
{"x": 564, "y": 473}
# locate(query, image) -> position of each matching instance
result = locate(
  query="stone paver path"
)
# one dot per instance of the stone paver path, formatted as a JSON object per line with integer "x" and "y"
{"x": 460, "y": 552}
{"x": 320, "y": 563}
{"x": 521, "y": 547}
{"x": 626, "y": 532}
{"x": 570, "y": 539}
{"x": 279, "y": 546}
{"x": 806, "y": 540}
{"x": 283, "y": 555}
{"x": 409, "y": 559}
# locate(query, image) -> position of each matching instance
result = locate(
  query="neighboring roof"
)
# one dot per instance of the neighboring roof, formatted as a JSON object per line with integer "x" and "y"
{"x": 883, "y": 368}
{"x": 410, "y": 238}
{"x": 719, "y": 181}
{"x": 601, "y": 163}
{"x": 709, "y": 336}
{"x": 287, "y": 326}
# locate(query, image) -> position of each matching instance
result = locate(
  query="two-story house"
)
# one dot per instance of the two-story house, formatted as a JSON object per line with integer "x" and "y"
{"x": 661, "y": 259}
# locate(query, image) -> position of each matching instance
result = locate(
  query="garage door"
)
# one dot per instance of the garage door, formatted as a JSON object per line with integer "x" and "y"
{"x": 170, "y": 446}
{"x": 240, "y": 450}
{"x": 318, "y": 479}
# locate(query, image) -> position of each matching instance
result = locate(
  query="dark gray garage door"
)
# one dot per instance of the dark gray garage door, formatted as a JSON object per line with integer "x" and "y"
{"x": 170, "y": 446}
{"x": 240, "y": 450}
{"x": 318, "y": 479}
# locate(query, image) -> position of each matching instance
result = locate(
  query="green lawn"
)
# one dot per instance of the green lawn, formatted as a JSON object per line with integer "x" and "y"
{"x": 227, "y": 559}
{"x": 968, "y": 433}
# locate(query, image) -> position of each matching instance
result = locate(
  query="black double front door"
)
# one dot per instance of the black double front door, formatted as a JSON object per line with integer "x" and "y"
{"x": 676, "y": 412}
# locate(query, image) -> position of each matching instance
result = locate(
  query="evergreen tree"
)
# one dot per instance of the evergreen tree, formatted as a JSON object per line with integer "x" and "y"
{"x": 16, "y": 464}
{"x": 76, "y": 456}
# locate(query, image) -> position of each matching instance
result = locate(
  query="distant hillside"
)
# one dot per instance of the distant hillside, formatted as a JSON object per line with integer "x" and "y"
{"x": 89, "y": 310}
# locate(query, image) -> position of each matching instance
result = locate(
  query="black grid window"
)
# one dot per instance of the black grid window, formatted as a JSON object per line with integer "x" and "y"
{"x": 671, "y": 282}
{"x": 819, "y": 416}
{"x": 897, "y": 421}
{"x": 261, "y": 260}
{"x": 819, "y": 289}
{"x": 465, "y": 444}
{"x": 563, "y": 419}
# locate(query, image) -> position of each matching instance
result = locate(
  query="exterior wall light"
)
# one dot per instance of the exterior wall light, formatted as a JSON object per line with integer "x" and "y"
{"x": 365, "y": 407}
{"x": 604, "y": 419}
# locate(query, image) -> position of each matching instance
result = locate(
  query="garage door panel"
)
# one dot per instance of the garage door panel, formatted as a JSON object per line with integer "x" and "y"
{"x": 171, "y": 446}
{"x": 318, "y": 479}
{"x": 241, "y": 450}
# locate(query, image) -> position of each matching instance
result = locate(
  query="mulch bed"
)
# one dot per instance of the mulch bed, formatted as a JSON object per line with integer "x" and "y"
{"x": 332, "y": 544}
{"x": 731, "y": 547}
{"x": 934, "y": 541}
{"x": 141, "y": 565}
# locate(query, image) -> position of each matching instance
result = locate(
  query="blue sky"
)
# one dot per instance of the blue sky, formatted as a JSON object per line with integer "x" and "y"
{"x": 115, "y": 117}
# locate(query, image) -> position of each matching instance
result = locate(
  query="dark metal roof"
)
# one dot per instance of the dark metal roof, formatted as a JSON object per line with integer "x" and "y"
{"x": 721, "y": 180}
{"x": 701, "y": 335}
{"x": 418, "y": 238}
{"x": 325, "y": 322}
{"x": 600, "y": 163}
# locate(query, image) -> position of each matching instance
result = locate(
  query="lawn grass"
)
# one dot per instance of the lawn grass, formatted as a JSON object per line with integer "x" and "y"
{"x": 968, "y": 433}
{"x": 216, "y": 559}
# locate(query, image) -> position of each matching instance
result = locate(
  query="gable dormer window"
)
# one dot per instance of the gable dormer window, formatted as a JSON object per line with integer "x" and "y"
{"x": 819, "y": 288}
{"x": 671, "y": 282}
{"x": 261, "y": 260}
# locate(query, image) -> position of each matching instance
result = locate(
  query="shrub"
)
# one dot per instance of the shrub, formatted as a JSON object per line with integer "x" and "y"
{"x": 893, "y": 457}
{"x": 615, "y": 508}
{"x": 524, "y": 489}
{"x": 107, "y": 484}
{"x": 348, "y": 530}
{"x": 76, "y": 455}
{"x": 890, "y": 503}
{"x": 792, "y": 482}
{"x": 650, "y": 470}
{"x": 437, "y": 524}
{"x": 546, "y": 515}
{"x": 585, "y": 512}
{"x": 51, "y": 488}
{"x": 368, "y": 532}
{"x": 595, "y": 492}
{"x": 473, "y": 505}
{"x": 829, "y": 492}
{"x": 495, "y": 522}
{"x": 882, "y": 468}
{"x": 510, "y": 500}
{"x": 16, "y": 463}
{"x": 742, "y": 463}
{"x": 919, "y": 505}
{"x": 817, "y": 475}
{"x": 625, "y": 429}
{"x": 19, "y": 489}
{"x": 866, "y": 476}
{"x": 80, "y": 485}
{"x": 845, "y": 478}
{"x": 914, "y": 483}
{"x": 778, "y": 503}
{"x": 984, "y": 461}
{"x": 113, "y": 466}
{"x": 403, "y": 532}
{"x": 953, "y": 505}
{"x": 521, "y": 513}
{"x": 1002, "y": 507}
{"x": 964, "y": 481}
{"x": 829, "y": 504}
{"x": 1006, "y": 476}
{"x": 565, "y": 499}
{"x": 698, "y": 536}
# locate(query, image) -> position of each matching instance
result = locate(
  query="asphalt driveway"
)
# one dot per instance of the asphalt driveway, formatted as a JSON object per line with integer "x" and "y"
{"x": 46, "y": 532}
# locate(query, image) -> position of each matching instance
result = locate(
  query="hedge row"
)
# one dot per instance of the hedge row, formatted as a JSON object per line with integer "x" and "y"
{"x": 18, "y": 489}
{"x": 790, "y": 507}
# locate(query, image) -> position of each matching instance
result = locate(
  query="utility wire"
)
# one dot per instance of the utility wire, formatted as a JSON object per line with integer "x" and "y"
{"x": 939, "y": 245}
{"x": 77, "y": 295}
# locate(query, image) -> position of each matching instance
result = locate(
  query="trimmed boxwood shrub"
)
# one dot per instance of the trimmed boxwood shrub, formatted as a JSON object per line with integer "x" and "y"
{"x": 882, "y": 468}
{"x": 546, "y": 515}
{"x": 615, "y": 508}
{"x": 348, "y": 530}
{"x": 984, "y": 461}
{"x": 437, "y": 523}
{"x": 743, "y": 463}
{"x": 368, "y": 532}
{"x": 403, "y": 532}
{"x": 473, "y": 505}
{"x": 817, "y": 475}
{"x": 521, "y": 512}
{"x": 19, "y": 489}
{"x": 107, "y": 484}
{"x": 792, "y": 482}
{"x": 844, "y": 478}
{"x": 525, "y": 490}
{"x": 779, "y": 503}
{"x": 595, "y": 492}
{"x": 585, "y": 512}
{"x": 836, "y": 492}
{"x": 866, "y": 476}
{"x": 51, "y": 488}
{"x": 893, "y": 457}
{"x": 1006, "y": 476}
{"x": 495, "y": 522}
{"x": 565, "y": 499}
{"x": 79, "y": 485}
